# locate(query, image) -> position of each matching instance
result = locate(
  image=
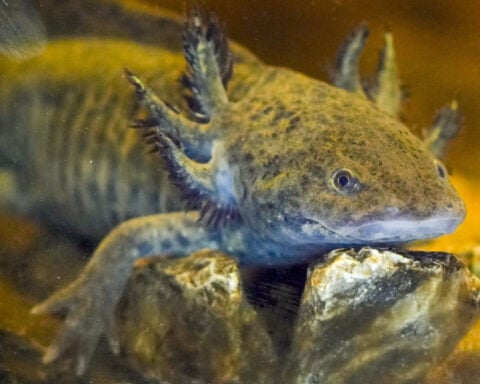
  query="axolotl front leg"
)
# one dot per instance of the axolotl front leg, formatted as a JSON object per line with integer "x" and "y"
{"x": 91, "y": 299}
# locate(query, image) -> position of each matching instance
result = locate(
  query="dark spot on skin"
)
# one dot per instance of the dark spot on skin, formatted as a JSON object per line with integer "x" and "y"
{"x": 281, "y": 113}
{"x": 304, "y": 180}
{"x": 267, "y": 110}
{"x": 293, "y": 123}
{"x": 145, "y": 248}
{"x": 166, "y": 245}
{"x": 271, "y": 172}
{"x": 251, "y": 170}
{"x": 182, "y": 240}
{"x": 248, "y": 157}
{"x": 256, "y": 116}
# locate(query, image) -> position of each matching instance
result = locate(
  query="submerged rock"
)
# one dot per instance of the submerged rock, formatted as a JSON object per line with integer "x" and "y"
{"x": 379, "y": 313}
{"x": 362, "y": 315}
{"x": 187, "y": 321}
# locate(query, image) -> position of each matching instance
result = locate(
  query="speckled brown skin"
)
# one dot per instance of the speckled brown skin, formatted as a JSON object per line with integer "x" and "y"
{"x": 334, "y": 129}
{"x": 264, "y": 157}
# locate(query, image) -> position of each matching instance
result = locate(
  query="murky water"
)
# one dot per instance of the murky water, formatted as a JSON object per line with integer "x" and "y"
{"x": 438, "y": 51}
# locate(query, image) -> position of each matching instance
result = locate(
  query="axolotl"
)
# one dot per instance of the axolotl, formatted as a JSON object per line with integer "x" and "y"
{"x": 275, "y": 171}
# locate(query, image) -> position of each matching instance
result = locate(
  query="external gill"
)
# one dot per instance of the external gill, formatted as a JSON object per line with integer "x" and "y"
{"x": 385, "y": 91}
{"x": 209, "y": 64}
{"x": 346, "y": 74}
{"x": 209, "y": 69}
{"x": 190, "y": 136}
{"x": 444, "y": 128}
{"x": 189, "y": 153}
{"x": 161, "y": 114}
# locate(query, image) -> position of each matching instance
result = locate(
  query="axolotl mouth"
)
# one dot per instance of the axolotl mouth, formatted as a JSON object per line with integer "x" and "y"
{"x": 401, "y": 230}
{"x": 384, "y": 230}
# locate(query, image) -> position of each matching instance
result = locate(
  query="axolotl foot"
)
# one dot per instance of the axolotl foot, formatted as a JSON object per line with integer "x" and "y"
{"x": 88, "y": 316}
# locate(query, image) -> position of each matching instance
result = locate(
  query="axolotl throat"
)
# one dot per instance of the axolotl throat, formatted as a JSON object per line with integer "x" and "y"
{"x": 292, "y": 168}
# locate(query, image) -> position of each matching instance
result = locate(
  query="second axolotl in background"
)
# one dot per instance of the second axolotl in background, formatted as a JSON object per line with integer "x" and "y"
{"x": 276, "y": 171}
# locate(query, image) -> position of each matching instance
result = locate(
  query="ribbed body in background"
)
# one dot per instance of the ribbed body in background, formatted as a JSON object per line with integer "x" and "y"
{"x": 64, "y": 131}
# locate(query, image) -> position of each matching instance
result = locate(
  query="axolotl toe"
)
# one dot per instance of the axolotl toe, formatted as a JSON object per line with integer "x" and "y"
{"x": 277, "y": 173}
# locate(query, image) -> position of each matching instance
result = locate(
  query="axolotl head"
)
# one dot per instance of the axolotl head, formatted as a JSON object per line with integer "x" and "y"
{"x": 313, "y": 165}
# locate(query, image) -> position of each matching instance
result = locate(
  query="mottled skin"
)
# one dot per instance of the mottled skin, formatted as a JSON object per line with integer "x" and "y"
{"x": 334, "y": 130}
{"x": 285, "y": 165}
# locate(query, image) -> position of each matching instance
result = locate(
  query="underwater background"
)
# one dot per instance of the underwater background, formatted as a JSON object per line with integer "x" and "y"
{"x": 438, "y": 51}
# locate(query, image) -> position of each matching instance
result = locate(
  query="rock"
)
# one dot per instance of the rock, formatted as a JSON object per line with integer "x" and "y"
{"x": 187, "y": 321}
{"x": 362, "y": 315}
{"x": 379, "y": 313}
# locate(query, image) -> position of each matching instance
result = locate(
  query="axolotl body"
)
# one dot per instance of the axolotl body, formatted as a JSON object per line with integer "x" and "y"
{"x": 277, "y": 170}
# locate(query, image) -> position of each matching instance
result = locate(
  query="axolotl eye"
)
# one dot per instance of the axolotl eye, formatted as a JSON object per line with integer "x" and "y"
{"x": 441, "y": 170}
{"x": 345, "y": 181}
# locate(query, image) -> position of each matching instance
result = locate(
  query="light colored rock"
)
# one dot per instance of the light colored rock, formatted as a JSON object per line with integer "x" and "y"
{"x": 372, "y": 313}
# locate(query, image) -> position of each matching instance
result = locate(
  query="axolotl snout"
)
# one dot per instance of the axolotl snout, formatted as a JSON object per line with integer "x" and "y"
{"x": 275, "y": 172}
